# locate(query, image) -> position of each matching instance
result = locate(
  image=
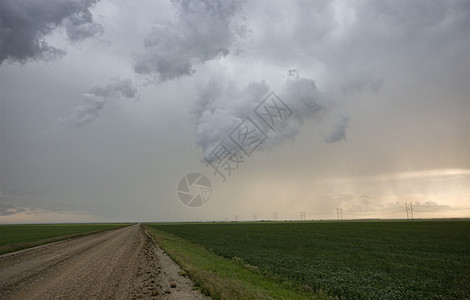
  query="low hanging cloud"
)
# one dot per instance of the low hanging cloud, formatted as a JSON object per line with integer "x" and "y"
{"x": 202, "y": 31}
{"x": 339, "y": 131}
{"x": 24, "y": 25}
{"x": 355, "y": 205}
{"x": 7, "y": 209}
{"x": 221, "y": 107}
{"x": 95, "y": 100}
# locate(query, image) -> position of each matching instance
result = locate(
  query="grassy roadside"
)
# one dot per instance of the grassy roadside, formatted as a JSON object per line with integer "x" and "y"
{"x": 222, "y": 278}
{"x": 18, "y": 237}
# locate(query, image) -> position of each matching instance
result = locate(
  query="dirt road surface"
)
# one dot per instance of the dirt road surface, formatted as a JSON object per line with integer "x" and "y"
{"x": 117, "y": 264}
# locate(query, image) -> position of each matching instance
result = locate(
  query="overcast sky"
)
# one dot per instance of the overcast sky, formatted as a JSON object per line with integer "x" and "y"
{"x": 106, "y": 105}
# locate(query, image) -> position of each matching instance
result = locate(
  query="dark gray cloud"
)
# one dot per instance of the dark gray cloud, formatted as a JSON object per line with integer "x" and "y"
{"x": 222, "y": 106}
{"x": 354, "y": 204}
{"x": 95, "y": 100}
{"x": 9, "y": 209}
{"x": 202, "y": 31}
{"x": 24, "y": 25}
{"x": 354, "y": 43}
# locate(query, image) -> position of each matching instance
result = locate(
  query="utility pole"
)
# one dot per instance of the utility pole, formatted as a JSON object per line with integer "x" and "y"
{"x": 409, "y": 211}
{"x": 236, "y": 218}
{"x": 275, "y": 216}
{"x": 339, "y": 214}
{"x": 254, "y": 217}
{"x": 302, "y": 216}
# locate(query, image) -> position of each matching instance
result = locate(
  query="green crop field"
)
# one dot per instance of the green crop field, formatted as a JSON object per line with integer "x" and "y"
{"x": 348, "y": 260}
{"x": 16, "y": 237}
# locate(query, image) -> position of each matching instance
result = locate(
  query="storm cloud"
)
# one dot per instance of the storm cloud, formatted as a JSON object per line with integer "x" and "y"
{"x": 202, "y": 31}
{"x": 24, "y": 25}
{"x": 222, "y": 107}
{"x": 372, "y": 90}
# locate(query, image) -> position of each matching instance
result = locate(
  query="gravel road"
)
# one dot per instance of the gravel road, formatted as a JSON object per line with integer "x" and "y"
{"x": 117, "y": 264}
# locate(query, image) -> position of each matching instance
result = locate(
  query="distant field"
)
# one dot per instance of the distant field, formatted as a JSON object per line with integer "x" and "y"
{"x": 352, "y": 260}
{"x": 16, "y": 237}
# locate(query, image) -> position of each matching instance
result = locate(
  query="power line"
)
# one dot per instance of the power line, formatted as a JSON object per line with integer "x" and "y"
{"x": 339, "y": 214}
{"x": 409, "y": 211}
